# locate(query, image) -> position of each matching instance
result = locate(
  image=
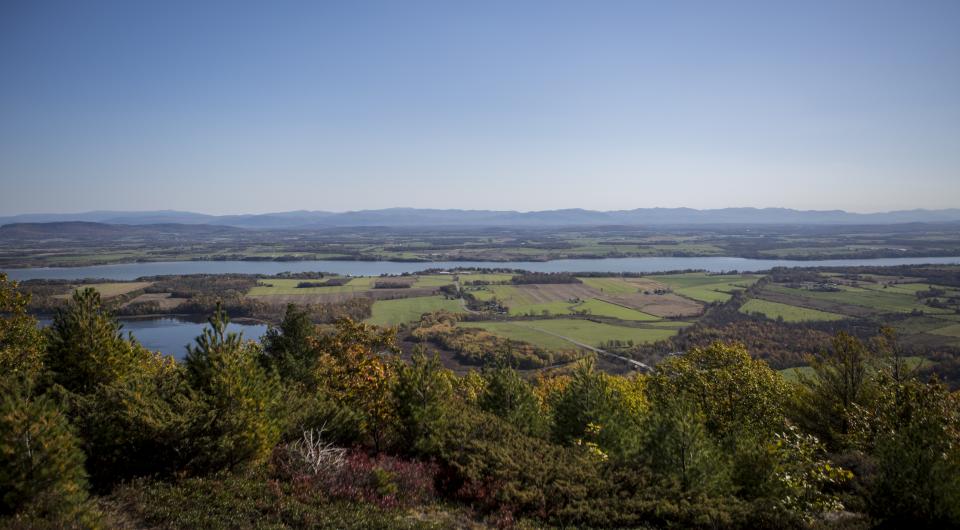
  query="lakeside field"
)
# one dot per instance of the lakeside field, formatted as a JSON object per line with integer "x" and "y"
{"x": 627, "y": 313}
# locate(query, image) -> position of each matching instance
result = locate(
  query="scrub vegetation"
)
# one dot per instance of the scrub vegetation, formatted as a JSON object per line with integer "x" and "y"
{"x": 334, "y": 426}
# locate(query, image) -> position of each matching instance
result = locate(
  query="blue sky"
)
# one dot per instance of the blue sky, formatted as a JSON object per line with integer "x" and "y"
{"x": 252, "y": 107}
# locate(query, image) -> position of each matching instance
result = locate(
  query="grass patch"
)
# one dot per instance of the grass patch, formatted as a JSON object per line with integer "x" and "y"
{"x": 795, "y": 374}
{"x": 492, "y": 277}
{"x": 610, "y": 285}
{"x": 551, "y": 308}
{"x": 110, "y": 290}
{"x": 606, "y": 309}
{"x": 706, "y": 287}
{"x": 594, "y": 333}
{"x": 887, "y": 301}
{"x": 952, "y": 330}
{"x": 789, "y": 313}
{"x": 401, "y": 310}
{"x": 515, "y": 331}
{"x": 538, "y": 332}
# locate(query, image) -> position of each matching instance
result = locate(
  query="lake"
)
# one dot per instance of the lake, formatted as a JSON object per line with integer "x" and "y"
{"x": 132, "y": 271}
{"x": 171, "y": 335}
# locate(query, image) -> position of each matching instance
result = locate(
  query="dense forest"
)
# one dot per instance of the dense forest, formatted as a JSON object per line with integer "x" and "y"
{"x": 328, "y": 427}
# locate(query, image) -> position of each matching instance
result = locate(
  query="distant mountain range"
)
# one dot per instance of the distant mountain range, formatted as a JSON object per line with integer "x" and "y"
{"x": 416, "y": 217}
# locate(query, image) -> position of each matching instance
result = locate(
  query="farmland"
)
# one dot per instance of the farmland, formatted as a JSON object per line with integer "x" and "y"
{"x": 547, "y": 333}
{"x": 789, "y": 313}
{"x": 639, "y": 316}
{"x": 110, "y": 290}
{"x": 81, "y": 245}
{"x": 402, "y": 310}
{"x": 706, "y": 287}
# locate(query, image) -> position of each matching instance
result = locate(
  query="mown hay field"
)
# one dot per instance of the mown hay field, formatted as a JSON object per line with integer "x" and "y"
{"x": 402, "y": 310}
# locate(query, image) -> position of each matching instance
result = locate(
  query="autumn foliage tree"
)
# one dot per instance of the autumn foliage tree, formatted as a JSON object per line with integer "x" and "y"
{"x": 353, "y": 369}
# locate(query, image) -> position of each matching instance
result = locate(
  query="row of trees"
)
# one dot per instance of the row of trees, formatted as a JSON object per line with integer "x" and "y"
{"x": 711, "y": 439}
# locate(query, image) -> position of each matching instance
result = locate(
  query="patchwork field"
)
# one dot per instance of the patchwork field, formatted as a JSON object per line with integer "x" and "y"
{"x": 789, "y": 313}
{"x": 618, "y": 299}
{"x": 327, "y": 298}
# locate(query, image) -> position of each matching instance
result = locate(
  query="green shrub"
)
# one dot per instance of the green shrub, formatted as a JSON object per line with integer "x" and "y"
{"x": 138, "y": 424}
{"x": 42, "y": 478}
{"x": 421, "y": 395}
{"x": 247, "y": 501}
{"x": 86, "y": 346}
{"x": 508, "y": 396}
{"x": 238, "y": 420}
{"x": 21, "y": 342}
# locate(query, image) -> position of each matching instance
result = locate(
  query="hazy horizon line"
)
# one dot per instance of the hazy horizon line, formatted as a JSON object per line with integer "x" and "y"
{"x": 269, "y": 212}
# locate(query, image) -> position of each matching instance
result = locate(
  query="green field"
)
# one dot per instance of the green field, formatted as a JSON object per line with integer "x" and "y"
{"x": 794, "y": 374}
{"x": 887, "y": 301}
{"x": 515, "y": 331}
{"x": 551, "y": 308}
{"x": 492, "y": 277}
{"x": 610, "y": 285}
{"x": 706, "y": 287}
{"x": 789, "y": 313}
{"x": 953, "y": 330}
{"x": 432, "y": 280}
{"x": 401, "y": 310}
{"x": 606, "y": 309}
{"x": 585, "y": 331}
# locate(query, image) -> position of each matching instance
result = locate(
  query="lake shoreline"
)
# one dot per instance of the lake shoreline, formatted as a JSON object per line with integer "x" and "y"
{"x": 640, "y": 265}
{"x": 805, "y": 258}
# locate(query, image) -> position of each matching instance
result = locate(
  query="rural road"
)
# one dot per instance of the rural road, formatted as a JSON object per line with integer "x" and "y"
{"x": 627, "y": 360}
{"x": 638, "y": 364}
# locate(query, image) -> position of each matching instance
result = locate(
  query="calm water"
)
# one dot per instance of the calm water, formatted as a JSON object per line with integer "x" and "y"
{"x": 131, "y": 271}
{"x": 171, "y": 335}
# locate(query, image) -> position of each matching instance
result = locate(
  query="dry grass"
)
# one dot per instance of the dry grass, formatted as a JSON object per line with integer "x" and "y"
{"x": 164, "y": 300}
{"x": 661, "y": 305}
{"x": 110, "y": 290}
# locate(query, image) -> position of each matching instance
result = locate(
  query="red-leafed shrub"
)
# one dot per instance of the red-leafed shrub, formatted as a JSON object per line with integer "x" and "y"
{"x": 385, "y": 481}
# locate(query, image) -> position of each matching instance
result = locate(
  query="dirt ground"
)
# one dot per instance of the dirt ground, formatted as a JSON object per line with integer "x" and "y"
{"x": 661, "y": 305}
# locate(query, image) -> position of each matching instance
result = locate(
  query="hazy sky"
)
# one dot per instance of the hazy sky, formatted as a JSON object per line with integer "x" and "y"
{"x": 267, "y": 106}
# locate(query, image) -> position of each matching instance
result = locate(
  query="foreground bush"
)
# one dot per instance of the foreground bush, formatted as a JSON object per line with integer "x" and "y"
{"x": 42, "y": 479}
{"x": 238, "y": 421}
{"x": 246, "y": 501}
